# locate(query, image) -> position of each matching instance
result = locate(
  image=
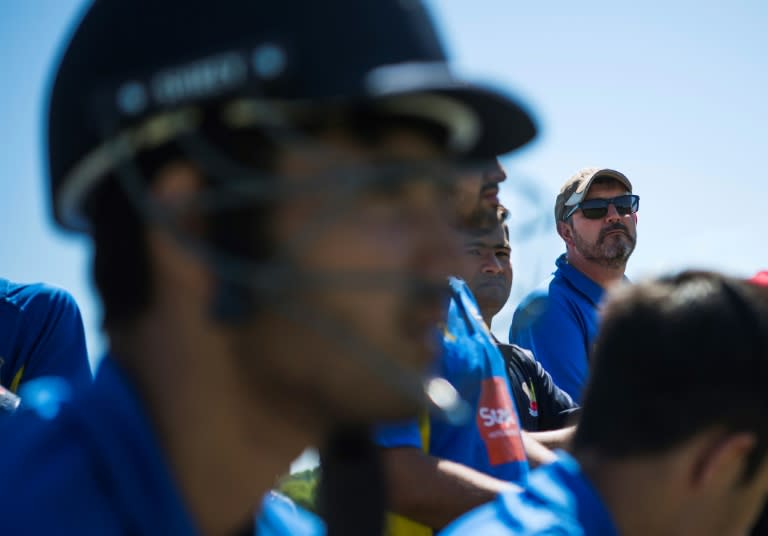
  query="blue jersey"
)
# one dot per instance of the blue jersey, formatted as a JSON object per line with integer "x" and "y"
{"x": 95, "y": 467}
{"x": 490, "y": 440}
{"x": 41, "y": 334}
{"x": 557, "y": 500}
{"x": 280, "y": 516}
{"x": 558, "y": 322}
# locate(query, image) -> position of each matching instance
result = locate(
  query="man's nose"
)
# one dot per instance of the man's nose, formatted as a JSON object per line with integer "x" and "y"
{"x": 494, "y": 172}
{"x": 441, "y": 243}
{"x": 612, "y": 215}
{"x": 492, "y": 264}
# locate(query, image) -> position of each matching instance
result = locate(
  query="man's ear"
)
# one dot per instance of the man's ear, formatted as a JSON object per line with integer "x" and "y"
{"x": 721, "y": 458}
{"x": 174, "y": 182}
{"x": 172, "y": 187}
{"x": 566, "y": 232}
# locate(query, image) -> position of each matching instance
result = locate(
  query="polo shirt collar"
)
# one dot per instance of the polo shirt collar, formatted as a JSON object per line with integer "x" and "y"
{"x": 579, "y": 281}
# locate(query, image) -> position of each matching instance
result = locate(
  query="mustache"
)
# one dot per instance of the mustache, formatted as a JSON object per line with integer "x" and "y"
{"x": 492, "y": 278}
{"x": 614, "y": 227}
{"x": 489, "y": 186}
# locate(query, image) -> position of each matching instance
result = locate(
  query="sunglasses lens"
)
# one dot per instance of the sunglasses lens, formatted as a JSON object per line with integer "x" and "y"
{"x": 594, "y": 213}
{"x": 594, "y": 209}
{"x": 624, "y": 204}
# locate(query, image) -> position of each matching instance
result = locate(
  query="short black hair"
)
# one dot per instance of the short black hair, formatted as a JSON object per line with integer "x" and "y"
{"x": 673, "y": 357}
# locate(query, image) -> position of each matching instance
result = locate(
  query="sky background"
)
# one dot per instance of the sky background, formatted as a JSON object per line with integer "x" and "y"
{"x": 673, "y": 94}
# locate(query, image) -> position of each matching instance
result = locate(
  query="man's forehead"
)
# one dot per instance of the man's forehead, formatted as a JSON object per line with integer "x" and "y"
{"x": 606, "y": 189}
{"x": 495, "y": 237}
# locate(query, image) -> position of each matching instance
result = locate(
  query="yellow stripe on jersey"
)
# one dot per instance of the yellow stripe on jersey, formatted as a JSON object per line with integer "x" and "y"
{"x": 17, "y": 380}
{"x": 402, "y": 526}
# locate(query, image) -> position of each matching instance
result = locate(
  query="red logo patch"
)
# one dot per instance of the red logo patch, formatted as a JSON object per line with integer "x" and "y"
{"x": 498, "y": 425}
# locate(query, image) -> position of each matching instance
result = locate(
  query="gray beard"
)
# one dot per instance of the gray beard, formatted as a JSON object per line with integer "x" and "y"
{"x": 609, "y": 252}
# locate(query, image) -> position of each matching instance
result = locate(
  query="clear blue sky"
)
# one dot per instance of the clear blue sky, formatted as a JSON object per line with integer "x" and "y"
{"x": 674, "y": 94}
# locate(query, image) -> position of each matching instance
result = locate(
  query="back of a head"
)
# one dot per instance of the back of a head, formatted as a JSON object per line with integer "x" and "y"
{"x": 677, "y": 356}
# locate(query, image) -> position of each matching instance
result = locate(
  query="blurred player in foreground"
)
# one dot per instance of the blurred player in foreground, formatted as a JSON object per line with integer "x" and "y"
{"x": 211, "y": 150}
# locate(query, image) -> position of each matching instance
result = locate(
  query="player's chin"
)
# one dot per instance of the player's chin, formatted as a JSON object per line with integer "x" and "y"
{"x": 376, "y": 402}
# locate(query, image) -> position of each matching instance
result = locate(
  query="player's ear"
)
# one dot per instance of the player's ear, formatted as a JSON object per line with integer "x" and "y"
{"x": 174, "y": 182}
{"x": 172, "y": 214}
{"x": 565, "y": 231}
{"x": 720, "y": 459}
{"x": 172, "y": 189}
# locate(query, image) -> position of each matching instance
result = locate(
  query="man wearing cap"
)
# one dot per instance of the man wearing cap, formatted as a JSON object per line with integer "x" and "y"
{"x": 247, "y": 174}
{"x": 596, "y": 216}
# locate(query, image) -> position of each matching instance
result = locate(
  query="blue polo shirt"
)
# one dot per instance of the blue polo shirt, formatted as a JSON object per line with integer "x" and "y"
{"x": 557, "y": 500}
{"x": 558, "y": 322}
{"x": 95, "y": 467}
{"x": 489, "y": 439}
{"x": 41, "y": 334}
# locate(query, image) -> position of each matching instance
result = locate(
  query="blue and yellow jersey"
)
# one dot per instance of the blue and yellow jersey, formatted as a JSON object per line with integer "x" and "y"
{"x": 490, "y": 440}
{"x": 41, "y": 334}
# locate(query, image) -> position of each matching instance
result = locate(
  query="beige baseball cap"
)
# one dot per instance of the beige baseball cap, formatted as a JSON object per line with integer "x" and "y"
{"x": 576, "y": 188}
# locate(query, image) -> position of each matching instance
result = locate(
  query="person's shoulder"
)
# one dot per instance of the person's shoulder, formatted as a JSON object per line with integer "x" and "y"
{"x": 280, "y": 516}
{"x": 547, "y": 302}
{"x": 37, "y": 298}
{"x": 518, "y": 356}
{"x": 488, "y": 519}
{"x": 511, "y": 514}
{"x": 554, "y": 290}
{"x": 538, "y": 293}
{"x": 518, "y": 353}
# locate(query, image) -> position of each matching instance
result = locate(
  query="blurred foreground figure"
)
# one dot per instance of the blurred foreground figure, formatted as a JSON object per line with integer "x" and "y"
{"x": 246, "y": 170}
{"x": 673, "y": 435}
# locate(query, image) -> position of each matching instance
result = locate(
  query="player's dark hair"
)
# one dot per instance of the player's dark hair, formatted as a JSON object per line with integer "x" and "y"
{"x": 674, "y": 357}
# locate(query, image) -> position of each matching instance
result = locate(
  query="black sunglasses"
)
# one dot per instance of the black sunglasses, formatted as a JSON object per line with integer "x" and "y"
{"x": 595, "y": 209}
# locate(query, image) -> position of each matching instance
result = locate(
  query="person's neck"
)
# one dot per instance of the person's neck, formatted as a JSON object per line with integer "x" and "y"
{"x": 225, "y": 443}
{"x": 639, "y": 493}
{"x": 605, "y": 276}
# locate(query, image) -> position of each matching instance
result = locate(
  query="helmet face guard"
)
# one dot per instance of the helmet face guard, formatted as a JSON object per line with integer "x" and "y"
{"x": 137, "y": 76}
{"x": 244, "y": 284}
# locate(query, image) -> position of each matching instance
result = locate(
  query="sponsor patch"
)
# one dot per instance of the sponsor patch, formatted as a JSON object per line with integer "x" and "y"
{"x": 498, "y": 425}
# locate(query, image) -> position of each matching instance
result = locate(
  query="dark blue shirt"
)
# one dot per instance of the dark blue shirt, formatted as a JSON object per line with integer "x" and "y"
{"x": 558, "y": 322}
{"x": 557, "y": 500}
{"x": 41, "y": 334}
{"x": 94, "y": 467}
